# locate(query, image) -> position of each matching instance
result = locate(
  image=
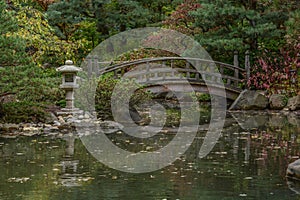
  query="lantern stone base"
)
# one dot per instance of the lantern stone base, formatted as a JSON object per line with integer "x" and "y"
{"x": 68, "y": 111}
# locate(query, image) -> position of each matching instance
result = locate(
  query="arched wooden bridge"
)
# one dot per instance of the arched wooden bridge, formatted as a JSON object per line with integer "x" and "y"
{"x": 181, "y": 75}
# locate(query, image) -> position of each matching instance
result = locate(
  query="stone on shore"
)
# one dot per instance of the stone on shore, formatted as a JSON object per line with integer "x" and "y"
{"x": 293, "y": 170}
{"x": 250, "y": 100}
{"x": 277, "y": 101}
{"x": 61, "y": 120}
{"x": 51, "y": 118}
{"x": 293, "y": 119}
{"x": 9, "y": 128}
{"x": 294, "y": 103}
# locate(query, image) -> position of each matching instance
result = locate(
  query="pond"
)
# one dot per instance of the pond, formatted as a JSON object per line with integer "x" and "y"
{"x": 249, "y": 161}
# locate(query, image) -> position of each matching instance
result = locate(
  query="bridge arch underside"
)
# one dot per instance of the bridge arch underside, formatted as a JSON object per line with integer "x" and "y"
{"x": 178, "y": 86}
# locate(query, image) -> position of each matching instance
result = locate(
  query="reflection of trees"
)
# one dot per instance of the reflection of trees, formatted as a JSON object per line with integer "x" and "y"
{"x": 275, "y": 147}
{"x": 294, "y": 186}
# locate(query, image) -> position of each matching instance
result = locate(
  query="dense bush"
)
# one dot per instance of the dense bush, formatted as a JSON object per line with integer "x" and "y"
{"x": 32, "y": 87}
{"x": 276, "y": 72}
{"x": 104, "y": 93}
{"x": 31, "y": 83}
{"x": 24, "y": 111}
{"x": 12, "y": 47}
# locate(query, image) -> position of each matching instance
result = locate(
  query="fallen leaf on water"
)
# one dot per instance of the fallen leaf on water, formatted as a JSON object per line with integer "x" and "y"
{"x": 18, "y": 180}
{"x": 149, "y": 148}
{"x": 221, "y": 153}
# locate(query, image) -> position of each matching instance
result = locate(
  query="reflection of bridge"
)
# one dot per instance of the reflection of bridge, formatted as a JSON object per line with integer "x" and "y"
{"x": 182, "y": 74}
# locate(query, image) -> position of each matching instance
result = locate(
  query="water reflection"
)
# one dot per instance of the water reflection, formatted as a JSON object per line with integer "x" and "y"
{"x": 246, "y": 162}
{"x": 68, "y": 176}
{"x": 249, "y": 120}
{"x": 294, "y": 186}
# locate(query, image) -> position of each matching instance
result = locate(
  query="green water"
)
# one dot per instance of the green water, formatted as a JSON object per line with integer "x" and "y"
{"x": 244, "y": 164}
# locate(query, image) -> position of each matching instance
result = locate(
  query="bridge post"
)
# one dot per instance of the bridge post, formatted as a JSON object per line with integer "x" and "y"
{"x": 95, "y": 64}
{"x": 236, "y": 64}
{"x": 92, "y": 65}
{"x": 187, "y": 66}
{"x": 148, "y": 70}
{"x": 89, "y": 66}
{"x": 212, "y": 71}
{"x": 247, "y": 65}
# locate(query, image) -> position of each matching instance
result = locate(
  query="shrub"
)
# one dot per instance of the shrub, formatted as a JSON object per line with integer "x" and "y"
{"x": 272, "y": 72}
{"x": 104, "y": 93}
{"x": 24, "y": 111}
{"x": 33, "y": 87}
{"x": 31, "y": 83}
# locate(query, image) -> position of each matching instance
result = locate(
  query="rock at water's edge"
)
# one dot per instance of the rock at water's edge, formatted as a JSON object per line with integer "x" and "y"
{"x": 294, "y": 103}
{"x": 51, "y": 118}
{"x": 293, "y": 169}
{"x": 277, "y": 101}
{"x": 10, "y": 128}
{"x": 250, "y": 100}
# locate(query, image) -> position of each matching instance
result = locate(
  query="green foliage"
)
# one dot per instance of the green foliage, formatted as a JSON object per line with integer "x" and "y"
{"x": 65, "y": 16}
{"x": 107, "y": 17}
{"x": 104, "y": 93}
{"x": 12, "y": 48}
{"x": 127, "y": 14}
{"x": 236, "y": 25}
{"x": 31, "y": 83}
{"x": 24, "y": 111}
{"x": 35, "y": 4}
{"x": 87, "y": 32}
{"x": 202, "y": 97}
{"x": 33, "y": 88}
{"x": 60, "y": 30}
{"x": 103, "y": 96}
{"x": 277, "y": 72}
{"x": 159, "y": 9}
{"x": 293, "y": 29}
{"x": 42, "y": 43}
{"x": 143, "y": 53}
{"x": 181, "y": 20}
{"x": 61, "y": 103}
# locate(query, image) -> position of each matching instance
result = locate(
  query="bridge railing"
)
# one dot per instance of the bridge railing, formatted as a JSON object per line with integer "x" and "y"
{"x": 177, "y": 68}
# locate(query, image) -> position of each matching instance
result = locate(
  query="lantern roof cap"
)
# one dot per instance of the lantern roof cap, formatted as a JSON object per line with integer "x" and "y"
{"x": 68, "y": 67}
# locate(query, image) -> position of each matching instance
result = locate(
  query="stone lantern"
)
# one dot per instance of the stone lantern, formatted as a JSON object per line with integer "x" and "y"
{"x": 69, "y": 72}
